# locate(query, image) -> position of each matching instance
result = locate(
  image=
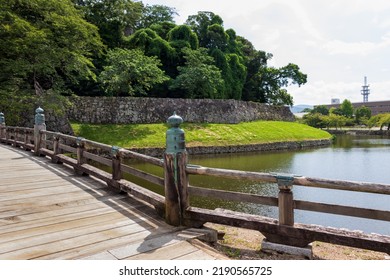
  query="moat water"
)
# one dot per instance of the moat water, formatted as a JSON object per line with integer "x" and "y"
{"x": 364, "y": 159}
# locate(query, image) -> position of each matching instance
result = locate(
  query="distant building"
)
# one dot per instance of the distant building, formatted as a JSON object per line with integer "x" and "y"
{"x": 376, "y": 107}
{"x": 335, "y": 101}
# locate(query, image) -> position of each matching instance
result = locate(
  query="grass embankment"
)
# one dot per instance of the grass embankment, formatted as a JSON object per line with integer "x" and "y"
{"x": 153, "y": 135}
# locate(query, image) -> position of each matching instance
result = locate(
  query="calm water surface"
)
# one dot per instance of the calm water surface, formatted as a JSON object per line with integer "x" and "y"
{"x": 349, "y": 158}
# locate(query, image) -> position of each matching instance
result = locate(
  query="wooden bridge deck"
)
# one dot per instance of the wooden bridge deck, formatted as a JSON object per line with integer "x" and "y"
{"x": 47, "y": 212}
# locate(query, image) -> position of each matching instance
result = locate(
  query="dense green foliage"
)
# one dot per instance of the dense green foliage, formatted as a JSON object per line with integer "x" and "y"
{"x": 50, "y": 48}
{"x": 381, "y": 121}
{"x": 153, "y": 135}
{"x": 198, "y": 78}
{"x": 46, "y": 47}
{"x": 130, "y": 72}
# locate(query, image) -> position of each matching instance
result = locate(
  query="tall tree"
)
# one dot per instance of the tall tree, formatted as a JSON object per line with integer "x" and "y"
{"x": 130, "y": 72}
{"x": 45, "y": 46}
{"x": 114, "y": 18}
{"x": 199, "y": 78}
{"x": 200, "y": 24}
{"x": 156, "y": 14}
{"x": 268, "y": 84}
{"x": 152, "y": 44}
{"x": 346, "y": 108}
{"x": 362, "y": 114}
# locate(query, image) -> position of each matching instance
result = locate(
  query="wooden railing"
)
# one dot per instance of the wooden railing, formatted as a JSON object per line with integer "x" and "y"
{"x": 175, "y": 205}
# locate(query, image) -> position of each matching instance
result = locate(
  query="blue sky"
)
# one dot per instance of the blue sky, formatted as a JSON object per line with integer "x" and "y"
{"x": 335, "y": 42}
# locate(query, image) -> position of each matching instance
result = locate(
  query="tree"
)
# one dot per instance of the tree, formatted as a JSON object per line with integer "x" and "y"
{"x": 322, "y": 109}
{"x": 199, "y": 78}
{"x": 362, "y": 115}
{"x": 153, "y": 45}
{"x": 314, "y": 120}
{"x": 130, "y": 72}
{"x": 46, "y": 46}
{"x": 346, "y": 108}
{"x": 114, "y": 18}
{"x": 182, "y": 36}
{"x": 333, "y": 120}
{"x": 156, "y": 14}
{"x": 380, "y": 120}
{"x": 270, "y": 82}
{"x": 200, "y": 23}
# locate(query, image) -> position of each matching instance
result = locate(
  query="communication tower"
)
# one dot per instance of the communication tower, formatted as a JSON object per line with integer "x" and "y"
{"x": 365, "y": 90}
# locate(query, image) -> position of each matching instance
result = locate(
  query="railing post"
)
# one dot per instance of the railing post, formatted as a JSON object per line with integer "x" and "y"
{"x": 14, "y": 144}
{"x": 285, "y": 199}
{"x": 117, "y": 156}
{"x": 56, "y": 149}
{"x": 2, "y": 126}
{"x": 25, "y": 140}
{"x": 80, "y": 158}
{"x": 175, "y": 175}
{"x": 39, "y": 125}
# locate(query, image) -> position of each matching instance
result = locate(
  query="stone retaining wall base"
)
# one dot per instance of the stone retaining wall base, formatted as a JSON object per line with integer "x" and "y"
{"x": 306, "y": 252}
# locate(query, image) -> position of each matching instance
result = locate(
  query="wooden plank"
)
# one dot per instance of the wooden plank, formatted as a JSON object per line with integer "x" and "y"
{"x": 168, "y": 252}
{"x": 70, "y": 243}
{"x": 373, "y": 214}
{"x": 54, "y": 212}
{"x": 143, "y": 175}
{"x": 141, "y": 157}
{"x": 343, "y": 185}
{"x": 90, "y": 251}
{"x": 298, "y": 235}
{"x": 96, "y": 225}
{"x": 96, "y": 145}
{"x": 154, "y": 199}
{"x": 18, "y": 211}
{"x": 67, "y": 148}
{"x": 16, "y": 186}
{"x": 228, "y": 173}
{"x": 104, "y": 223}
{"x": 97, "y": 158}
{"x": 149, "y": 244}
{"x": 286, "y": 207}
{"x": 48, "y": 200}
{"x": 233, "y": 196}
{"x": 298, "y": 180}
{"x": 152, "y": 244}
{"x": 37, "y": 225}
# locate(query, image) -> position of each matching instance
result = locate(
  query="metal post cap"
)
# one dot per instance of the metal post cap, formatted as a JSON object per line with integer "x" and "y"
{"x": 174, "y": 120}
{"x": 39, "y": 116}
{"x": 39, "y": 110}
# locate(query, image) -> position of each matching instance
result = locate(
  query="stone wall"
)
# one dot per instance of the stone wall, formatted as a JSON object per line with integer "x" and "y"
{"x": 122, "y": 110}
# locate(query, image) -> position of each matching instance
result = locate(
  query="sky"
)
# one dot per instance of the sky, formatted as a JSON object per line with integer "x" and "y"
{"x": 335, "y": 42}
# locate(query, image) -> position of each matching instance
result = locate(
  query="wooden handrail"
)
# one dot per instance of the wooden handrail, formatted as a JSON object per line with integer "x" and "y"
{"x": 298, "y": 180}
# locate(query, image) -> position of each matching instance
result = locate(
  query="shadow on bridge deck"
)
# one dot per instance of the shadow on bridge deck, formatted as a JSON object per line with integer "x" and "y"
{"x": 47, "y": 212}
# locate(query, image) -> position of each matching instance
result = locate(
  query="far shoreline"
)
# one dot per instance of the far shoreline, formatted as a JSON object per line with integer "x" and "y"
{"x": 231, "y": 149}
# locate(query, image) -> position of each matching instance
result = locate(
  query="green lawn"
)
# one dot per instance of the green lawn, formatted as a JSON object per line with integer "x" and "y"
{"x": 153, "y": 135}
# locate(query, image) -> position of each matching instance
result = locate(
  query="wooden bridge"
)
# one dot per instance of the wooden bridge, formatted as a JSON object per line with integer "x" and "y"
{"x": 46, "y": 212}
{"x": 49, "y": 210}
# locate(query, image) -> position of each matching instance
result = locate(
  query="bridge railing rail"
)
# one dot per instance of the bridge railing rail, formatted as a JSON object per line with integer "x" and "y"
{"x": 175, "y": 204}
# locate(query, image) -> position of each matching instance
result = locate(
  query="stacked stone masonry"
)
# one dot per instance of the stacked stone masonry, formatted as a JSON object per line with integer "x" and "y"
{"x": 123, "y": 110}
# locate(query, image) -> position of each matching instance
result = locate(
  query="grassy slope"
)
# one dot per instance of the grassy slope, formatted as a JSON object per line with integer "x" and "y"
{"x": 153, "y": 135}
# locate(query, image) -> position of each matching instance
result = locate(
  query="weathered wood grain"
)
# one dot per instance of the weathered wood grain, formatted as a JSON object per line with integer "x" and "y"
{"x": 233, "y": 196}
{"x": 47, "y": 212}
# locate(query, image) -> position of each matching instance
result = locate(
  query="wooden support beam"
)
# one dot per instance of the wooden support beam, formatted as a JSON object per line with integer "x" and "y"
{"x": 299, "y": 235}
